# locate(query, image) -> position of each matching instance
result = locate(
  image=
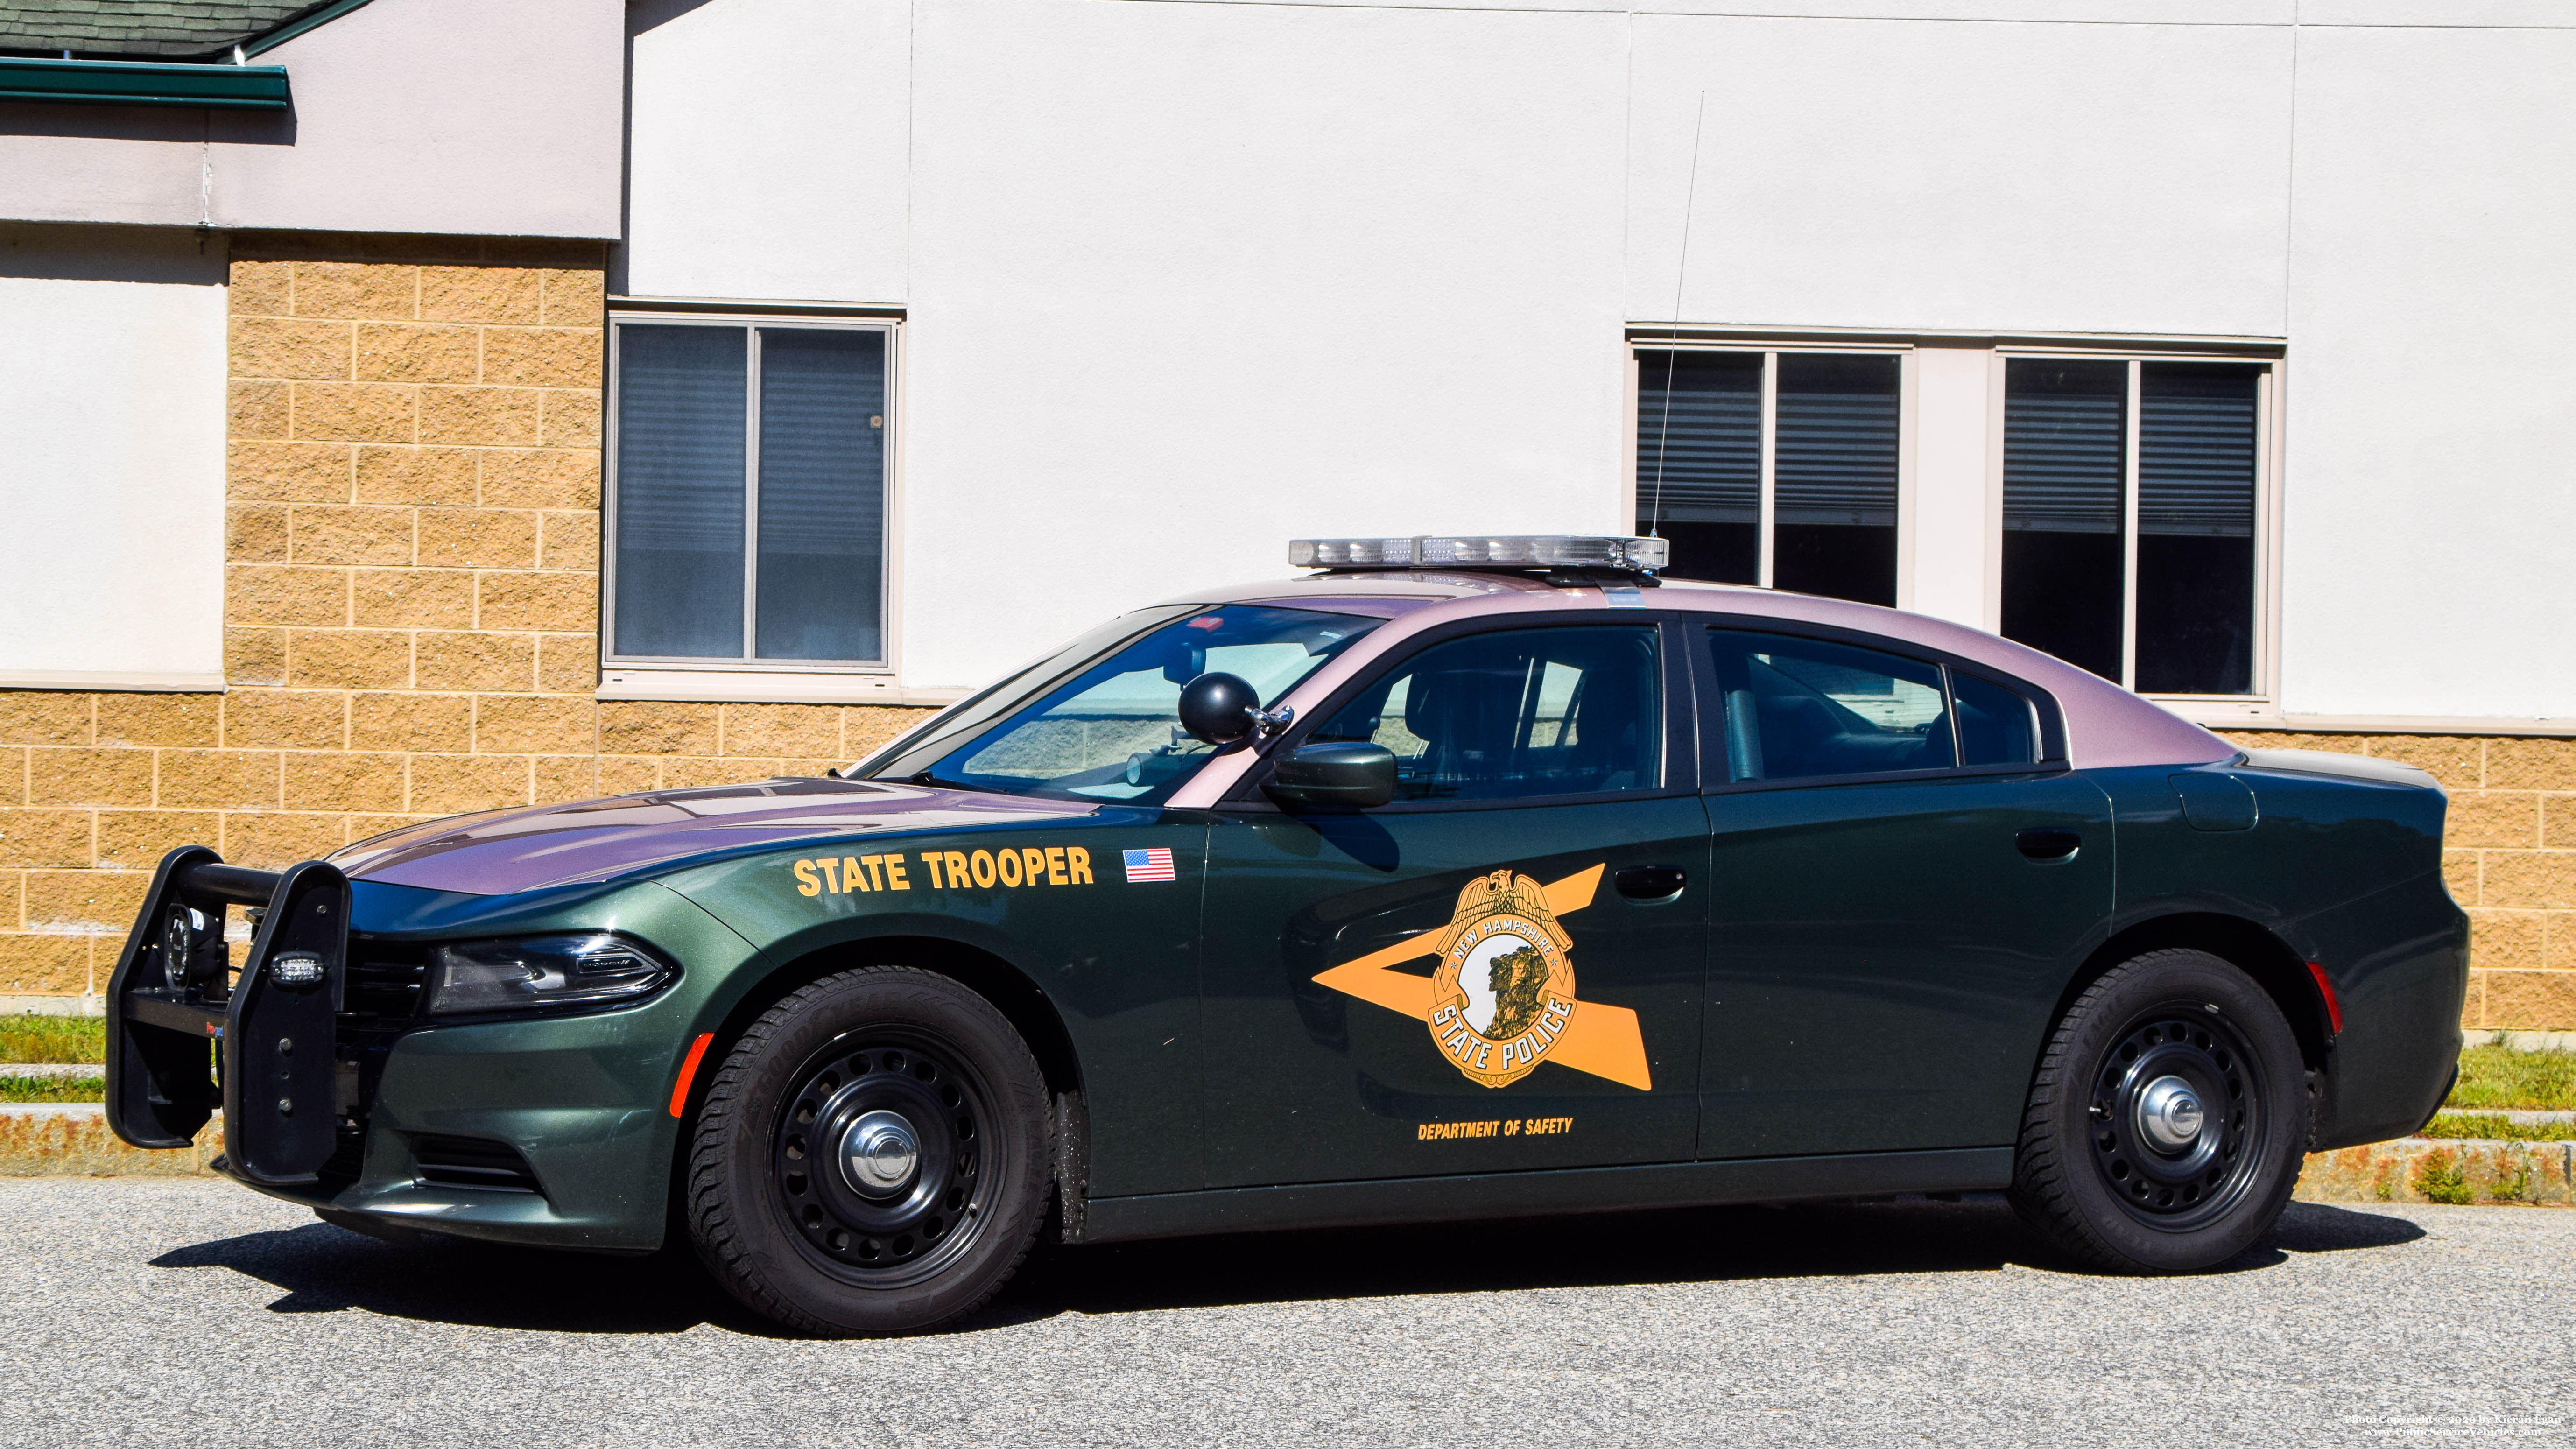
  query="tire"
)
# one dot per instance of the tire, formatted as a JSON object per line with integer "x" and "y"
{"x": 877, "y": 1059}
{"x": 2112, "y": 1169}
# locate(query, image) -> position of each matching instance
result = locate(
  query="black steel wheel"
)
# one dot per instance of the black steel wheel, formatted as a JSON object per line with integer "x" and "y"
{"x": 2177, "y": 1117}
{"x": 876, "y": 1157}
{"x": 872, "y": 1156}
{"x": 2167, "y": 1120}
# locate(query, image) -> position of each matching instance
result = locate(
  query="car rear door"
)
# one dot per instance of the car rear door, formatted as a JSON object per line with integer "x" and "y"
{"x": 1502, "y": 969}
{"x": 1889, "y": 927}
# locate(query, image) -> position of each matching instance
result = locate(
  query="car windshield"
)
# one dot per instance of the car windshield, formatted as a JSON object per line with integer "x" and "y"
{"x": 1102, "y": 723}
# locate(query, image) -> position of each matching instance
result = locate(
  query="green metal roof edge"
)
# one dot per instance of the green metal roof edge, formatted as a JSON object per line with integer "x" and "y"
{"x": 319, "y": 15}
{"x": 145, "y": 83}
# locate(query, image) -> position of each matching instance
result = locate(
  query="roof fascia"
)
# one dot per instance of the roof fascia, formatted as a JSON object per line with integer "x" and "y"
{"x": 144, "y": 83}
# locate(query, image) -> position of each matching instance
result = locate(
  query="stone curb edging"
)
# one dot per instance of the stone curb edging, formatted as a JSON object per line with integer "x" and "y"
{"x": 2444, "y": 1170}
{"x": 54, "y": 1071}
{"x": 70, "y": 1139}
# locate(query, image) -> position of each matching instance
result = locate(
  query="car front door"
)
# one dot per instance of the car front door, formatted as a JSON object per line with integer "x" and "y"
{"x": 1501, "y": 969}
{"x": 1901, "y": 882}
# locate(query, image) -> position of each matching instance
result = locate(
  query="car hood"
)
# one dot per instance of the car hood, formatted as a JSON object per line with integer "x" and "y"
{"x": 506, "y": 851}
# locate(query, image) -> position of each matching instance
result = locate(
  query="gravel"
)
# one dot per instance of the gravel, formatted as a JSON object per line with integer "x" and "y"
{"x": 187, "y": 1312}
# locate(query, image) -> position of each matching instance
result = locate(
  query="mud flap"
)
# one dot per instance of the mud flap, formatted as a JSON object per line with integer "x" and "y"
{"x": 280, "y": 1081}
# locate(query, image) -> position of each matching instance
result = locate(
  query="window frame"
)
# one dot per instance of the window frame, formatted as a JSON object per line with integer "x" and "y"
{"x": 750, "y": 319}
{"x": 1712, "y": 706}
{"x": 1678, "y": 681}
{"x": 1641, "y": 486}
{"x": 2264, "y": 629}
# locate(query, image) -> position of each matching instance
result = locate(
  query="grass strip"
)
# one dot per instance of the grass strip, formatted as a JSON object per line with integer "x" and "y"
{"x": 52, "y": 1089}
{"x": 2498, "y": 1077}
{"x": 33, "y": 1038}
{"x": 2489, "y": 1128}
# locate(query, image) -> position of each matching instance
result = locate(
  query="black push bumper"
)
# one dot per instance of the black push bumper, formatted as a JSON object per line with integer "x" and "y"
{"x": 185, "y": 1033}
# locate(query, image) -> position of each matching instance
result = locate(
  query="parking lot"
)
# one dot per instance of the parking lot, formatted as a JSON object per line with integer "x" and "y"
{"x": 147, "y": 1311}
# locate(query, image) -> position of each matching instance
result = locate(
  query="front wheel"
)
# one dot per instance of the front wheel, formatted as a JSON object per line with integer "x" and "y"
{"x": 872, "y": 1156}
{"x": 2167, "y": 1121}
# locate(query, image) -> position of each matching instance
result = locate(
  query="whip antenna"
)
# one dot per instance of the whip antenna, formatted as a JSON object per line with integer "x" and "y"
{"x": 1672, "y": 356}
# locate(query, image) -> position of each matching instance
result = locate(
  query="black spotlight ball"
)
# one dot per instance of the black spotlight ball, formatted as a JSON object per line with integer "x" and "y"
{"x": 1216, "y": 708}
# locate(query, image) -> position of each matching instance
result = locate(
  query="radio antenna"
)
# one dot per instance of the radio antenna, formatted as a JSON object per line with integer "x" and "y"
{"x": 1672, "y": 356}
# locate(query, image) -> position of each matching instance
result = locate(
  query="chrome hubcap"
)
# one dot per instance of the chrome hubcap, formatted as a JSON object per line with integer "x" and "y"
{"x": 879, "y": 1153}
{"x": 2169, "y": 1113}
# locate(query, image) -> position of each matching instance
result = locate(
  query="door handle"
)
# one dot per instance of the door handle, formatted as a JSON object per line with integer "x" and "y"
{"x": 2047, "y": 844}
{"x": 1651, "y": 882}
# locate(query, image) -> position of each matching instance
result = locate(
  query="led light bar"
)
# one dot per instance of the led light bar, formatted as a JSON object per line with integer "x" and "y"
{"x": 1520, "y": 551}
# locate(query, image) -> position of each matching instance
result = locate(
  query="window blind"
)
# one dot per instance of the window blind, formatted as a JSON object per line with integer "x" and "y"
{"x": 1836, "y": 439}
{"x": 1699, "y": 427}
{"x": 2196, "y": 449}
{"x": 822, "y": 493}
{"x": 679, "y": 545}
{"x": 2063, "y": 445}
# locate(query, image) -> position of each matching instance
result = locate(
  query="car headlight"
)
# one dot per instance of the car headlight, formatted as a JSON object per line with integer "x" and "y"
{"x": 542, "y": 973}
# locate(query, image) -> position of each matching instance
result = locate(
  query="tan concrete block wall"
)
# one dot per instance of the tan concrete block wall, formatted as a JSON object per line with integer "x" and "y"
{"x": 2509, "y": 854}
{"x": 411, "y": 602}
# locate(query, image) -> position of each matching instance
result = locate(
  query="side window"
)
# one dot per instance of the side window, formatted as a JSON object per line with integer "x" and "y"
{"x": 1515, "y": 714}
{"x": 1807, "y": 708}
{"x": 1996, "y": 725}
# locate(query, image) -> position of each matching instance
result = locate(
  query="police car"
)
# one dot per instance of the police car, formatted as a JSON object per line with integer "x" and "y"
{"x": 1458, "y": 878}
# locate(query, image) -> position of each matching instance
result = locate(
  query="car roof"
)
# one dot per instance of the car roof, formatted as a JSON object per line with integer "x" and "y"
{"x": 2106, "y": 726}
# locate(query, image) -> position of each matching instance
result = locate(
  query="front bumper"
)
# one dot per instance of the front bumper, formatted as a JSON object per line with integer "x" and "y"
{"x": 553, "y": 1131}
{"x": 580, "y": 1104}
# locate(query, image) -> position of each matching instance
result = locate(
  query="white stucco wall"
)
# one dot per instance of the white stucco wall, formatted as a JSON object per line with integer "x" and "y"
{"x": 2430, "y": 535}
{"x": 112, "y": 477}
{"x": 772, "y": 149}
{"x": 451, "y": 116}
{"x": 1182, "y": 280}
{"x": 1903, "y": 174}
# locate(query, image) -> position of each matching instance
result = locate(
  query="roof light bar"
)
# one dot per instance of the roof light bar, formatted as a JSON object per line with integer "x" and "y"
{"x": 1519, "y": 551}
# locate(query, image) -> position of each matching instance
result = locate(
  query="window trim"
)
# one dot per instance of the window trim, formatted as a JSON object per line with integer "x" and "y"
{"x": 656, "y": 676}
{"x": 2044, "y": 704}
{"x": 1640, "y": 489}
{"x": 2260, "y": 701}
{"x": 1678, "y": 681}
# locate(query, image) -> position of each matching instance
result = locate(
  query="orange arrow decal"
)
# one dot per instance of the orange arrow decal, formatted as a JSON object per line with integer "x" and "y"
{"x": 1598, "y": 1038}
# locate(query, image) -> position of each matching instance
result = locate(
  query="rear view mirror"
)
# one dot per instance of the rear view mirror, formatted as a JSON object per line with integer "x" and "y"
{"x": 1354, "y": 774}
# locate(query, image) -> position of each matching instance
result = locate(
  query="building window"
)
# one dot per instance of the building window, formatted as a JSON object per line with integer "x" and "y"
{"x": 1772, "y": 468}
{"x": 2151, "y": 585}
{"x": 747, "y": 492}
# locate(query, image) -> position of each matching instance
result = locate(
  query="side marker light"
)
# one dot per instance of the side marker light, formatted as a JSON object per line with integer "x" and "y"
{"x": 2325, "y": 988}
{"x": 689, "y": 1071}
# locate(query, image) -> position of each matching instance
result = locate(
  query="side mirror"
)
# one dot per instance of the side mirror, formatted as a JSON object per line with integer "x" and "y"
{"x": 1354, "y": 774}
{"x": 1217, "y": 709}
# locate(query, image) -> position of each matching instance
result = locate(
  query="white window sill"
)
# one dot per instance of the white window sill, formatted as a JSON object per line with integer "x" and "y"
{"x": 726, "y": 686}
{"x": 112, "y": 681}
{"x": 2248, "y": 714}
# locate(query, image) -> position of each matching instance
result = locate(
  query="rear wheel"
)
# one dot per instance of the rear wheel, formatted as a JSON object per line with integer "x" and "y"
{"x": 872, "y": 1156}
{"x": 2167, "y": 1120}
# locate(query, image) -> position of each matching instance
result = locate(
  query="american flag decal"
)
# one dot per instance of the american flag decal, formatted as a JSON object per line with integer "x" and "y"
{"x": 1155, "y": 864}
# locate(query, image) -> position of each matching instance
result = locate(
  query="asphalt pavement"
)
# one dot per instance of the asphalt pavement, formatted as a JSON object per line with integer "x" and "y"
{"x": 143, "y": 1311}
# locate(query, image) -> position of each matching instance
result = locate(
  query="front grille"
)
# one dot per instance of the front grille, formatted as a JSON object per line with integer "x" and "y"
{"x": 475, "y": 1162}
{"x": 380, "y": 998}
{"x": 384, "y": 982}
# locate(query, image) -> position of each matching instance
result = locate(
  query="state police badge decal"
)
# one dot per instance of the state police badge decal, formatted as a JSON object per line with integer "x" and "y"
{"x": 1501, "y": 1000}
{"x": 1503, "y": 993}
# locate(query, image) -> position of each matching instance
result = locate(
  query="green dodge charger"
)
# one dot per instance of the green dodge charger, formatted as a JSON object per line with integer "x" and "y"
{"x": 1457, "y": 878}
